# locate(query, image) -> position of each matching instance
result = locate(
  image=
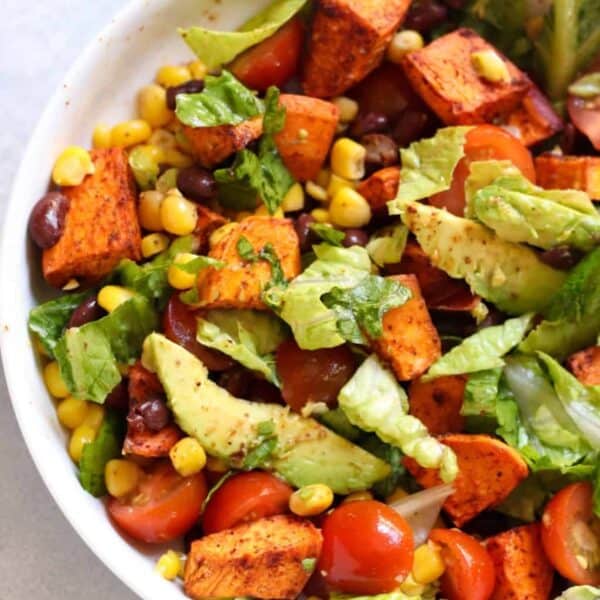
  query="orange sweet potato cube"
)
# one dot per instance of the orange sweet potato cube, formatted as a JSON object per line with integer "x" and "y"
{"x": 380, "y": 188}
{"x": 569, "y": 172}
{"x": 208, "y": 221}
{"x": 585, "y": 365}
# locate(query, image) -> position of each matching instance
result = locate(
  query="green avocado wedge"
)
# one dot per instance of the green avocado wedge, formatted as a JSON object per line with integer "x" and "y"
{"x": 305, "y": 451}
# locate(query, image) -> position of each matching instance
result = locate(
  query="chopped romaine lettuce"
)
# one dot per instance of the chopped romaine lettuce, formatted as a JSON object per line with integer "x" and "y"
{"x": 216, "y": 48}
{"x": 145, "y": 168}
{"x": 386, "y": 246}
{"x": 483, "y": 173}
{"x": 374, "y": 401}
{"x": 580, "y": 592}
{"x": 328, "y": 234}
{"x": 479, "y": 402}
{"x": 525, "y": 501}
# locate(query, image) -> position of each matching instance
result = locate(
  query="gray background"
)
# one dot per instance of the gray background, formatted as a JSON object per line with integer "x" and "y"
{"x": 41, "y": 557}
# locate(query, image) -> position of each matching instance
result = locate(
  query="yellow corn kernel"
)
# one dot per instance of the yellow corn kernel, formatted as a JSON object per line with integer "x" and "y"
{"x": 216, "y": 465}
{"x": 316, "y": 192}
{"x": 71, "y": 412}
{"x": 179, "y": 279}
{"x": 101, "y": 136}
{"x": 173, "y": 75}
{"x": 198, "y": 69}
{"x": 323, "y": 178}
{"x": 311, "y": 500}
{"x": 349, "y": 209}
{"x": 149, "y": 210}
{"x": 71, "y": 167}
{"x": 152, "y": 105}
{"x": 348, "y": 159}
{"x": 348, "y": 108}
{"x": 263, "y": 211}
{"x": 244, "y": 214}
{"x": 294, "y": 199}
{"x": 54, "y": 381}
{"x": 71, "y": 285}
{"x": 337, "y": 183}
{"x": 111, "y": 297}
{"x": 411, "y": 588}
{"x": 490, "y": 66}
{"x": 95, "y": 416}
{"x": 218, "y": 234}
{"x": 403, "y": 43}
{"x": 188, "y": 456}
{"x": 121, "y": 477}
{"x": 358, "y": 497}
{"x": 153, "y": 244}
{"x": 175, "y": 158}
{"x": 82, "y": 435}
{"x": 320, "y": 215}
{"x": 178, "y": 215}
{"x": 39, "y": 347}
{"x": 428, "y": 564}
{"x": 397, "y": 495}
{"x": 169, "y": 565}
{"x": 130, "y": 133}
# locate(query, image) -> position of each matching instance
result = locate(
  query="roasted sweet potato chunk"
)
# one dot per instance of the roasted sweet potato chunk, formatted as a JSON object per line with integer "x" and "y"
{"x": 262, "y": 559}
{"x": 585, "y": 365}
{"x": 208, "y": 221}
{"x": 348, "y": 40}
{"x": 488, "y": 472}
{"x": 522, "y": 569}
{"x": 240, "y": 283}
{"x": 380, "y": 188}
{"x": 442, "y": 73}
{"x": 101, "y": 226}
{"x": 410, "y": 342}
{"x": 569, "y": 172}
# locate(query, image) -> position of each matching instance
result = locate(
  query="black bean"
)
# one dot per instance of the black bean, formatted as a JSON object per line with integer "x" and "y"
{"x": 410, "y": 127}
{"x": 355, "y": 237}
{"x": 305, "y": 235}
{"x": 47, "y": 220}
{"x": 89, "y": 310}
{"x": 561, "y": 257}
{"x": 382, "y": 151}
{"x": 193, "y": 86}
{"x": 118, "y": 399}
{"x": 371, "y": 122}
{"x": 197, "y": 184}
{"x": 425, "y": 15}
{"x": 155, "y": 413}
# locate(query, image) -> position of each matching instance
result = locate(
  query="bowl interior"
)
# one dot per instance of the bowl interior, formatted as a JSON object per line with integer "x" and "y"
{"x": 101, "y": 87}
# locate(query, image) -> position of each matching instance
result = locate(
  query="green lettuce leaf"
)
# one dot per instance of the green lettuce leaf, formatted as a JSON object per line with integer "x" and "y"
{"x": 48, "y": 320}
{"x": 429, "y": 594}
{"x": 387, "y": 245}
{"x": 483, "y": 350}
{"x": 483, "y": 173}
{"x": 525, "y": 501}
{"x": 328, "y": 234}
{"x": 479, "y": 402}
{"x": 88, "y": 356}
{"x": 586, "y": 87}
{"x": 580, "y": 592}
{"x": 223, "y": 101}
{"x": 145, "y": 170}
{"x": 216, "y": 48}
{"x": 250, "y": 337}
{"x": 96, "y": 454}
{"x": 374, "y": 401}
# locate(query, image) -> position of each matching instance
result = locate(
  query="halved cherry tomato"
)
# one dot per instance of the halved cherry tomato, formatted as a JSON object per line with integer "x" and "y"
{"x": 571, "y": 534}
{"x": 484, "y": 142}
{"x": 368, "y": 548}
{"x": 469, "y": 571}
{"x": 245, "y": 497}
{"x": 273, "y": 61}
{"x": 164, "y": 506}
{"x": 313, "y": 375}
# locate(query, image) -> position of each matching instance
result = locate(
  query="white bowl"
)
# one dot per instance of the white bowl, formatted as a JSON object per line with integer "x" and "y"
{"x": 100, "y": 87}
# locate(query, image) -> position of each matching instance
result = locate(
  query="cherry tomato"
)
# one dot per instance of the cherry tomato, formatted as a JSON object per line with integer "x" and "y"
{"x": 484, "y": 142}
{"x": 273, "y": 61}
{"x": 245, "y": 497}
{"x": 164, "y": 506}
{"x": 179, "y": 324}
{"x": 469, "y": 571}
{"x": 313, "y": 375}
{"x": 368, "y": 548}
{"x": 571, "y": 534}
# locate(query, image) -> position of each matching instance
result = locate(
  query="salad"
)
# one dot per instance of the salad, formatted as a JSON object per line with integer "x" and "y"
{"x": 329, "y": 309}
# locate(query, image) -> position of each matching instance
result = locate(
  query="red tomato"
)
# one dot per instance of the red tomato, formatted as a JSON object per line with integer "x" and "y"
{"x": 273, "y": 61}
{"x": 585, "y": 115}
{"x": 484, "y": 142}
{"x": 571, "y": 532}
{"x": 368, "y": 548}
{"x": 469, "y": 571}
{"x": 245, "y": 497}
{"x": 163, "y": 508}
{"x": 313, "y": 375}
{"x": 180, "y": 325}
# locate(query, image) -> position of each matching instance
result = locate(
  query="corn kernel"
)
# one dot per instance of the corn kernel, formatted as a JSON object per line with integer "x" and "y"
{"x": 121, "y": 477}
{"x": 95, "y": 416}
{"x": 101, "y": 136}
{"x": 348, "y": 108}
{"x": 82, "y": 435}
{"x": 152, "y": 105}
{"x": 244, "y": 214}
{"x": 173, "y": 75}
{"x": 54, "y": 381}
{"x": 71, "y": 285}
{"x": 216, "y": 465}
{"x": 71, "y": 412}
{"x": 349, "y": 209}
{"x": 294, "y": 199}
{"x": 179, "y": 279}
{"x": 169, "y": 565}
{"x": 411, "y": 588}
{"x": 154, "y": 244}
{"x": 178, "y": 215}
{"x": 149, "y": 210}
{"x": 316, "y": 191}
{"x": 403, "y": 43}
{"x": 130, "y": 133}
{"x": 72, "y": 166}
{"x": 428, "y": 564}
{"x": 40, "y": 348}
{"x": 320, "y": 215}
{"x": 218, "y": 234}
{"x": 358, "y": 497}
{"x": 197, "y": 69}
{"x": 323, "y": 178}
{"x": 175, "y": 158}
{"x": 263, "y": 211}
{"x": 188, "y": 456}
{"x": 337, "y": 183}
{"x": 111, "y": 297}
{"x": 348, "y": 159}
{"x": 490, "y": 66}
{"x": 311, "y": 500}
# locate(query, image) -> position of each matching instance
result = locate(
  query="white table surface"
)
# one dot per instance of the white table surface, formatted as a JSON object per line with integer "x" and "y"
{"x": 41, "y": 557}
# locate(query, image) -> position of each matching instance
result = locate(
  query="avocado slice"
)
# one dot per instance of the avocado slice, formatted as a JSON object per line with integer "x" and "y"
{"x": 230, "y": 428}
{"x": 507, "y": 274}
